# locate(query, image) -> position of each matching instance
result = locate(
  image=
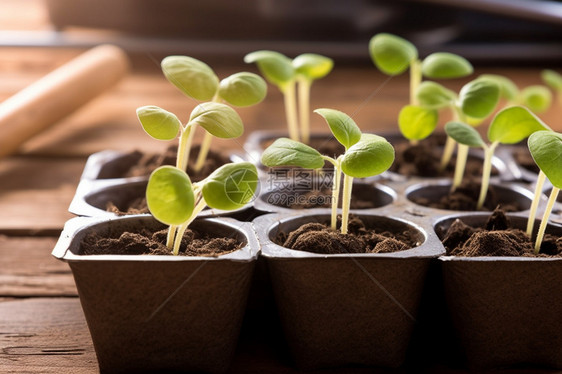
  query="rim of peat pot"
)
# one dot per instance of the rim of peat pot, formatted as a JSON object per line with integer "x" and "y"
{"x": 383, "y": 196}
{"x": 505, "y": 310}
{"x": 92, "y": 195}
{"x": 149, "y": 313}
{"x": 346, "y": 309}
{"x": 430, "y": 188}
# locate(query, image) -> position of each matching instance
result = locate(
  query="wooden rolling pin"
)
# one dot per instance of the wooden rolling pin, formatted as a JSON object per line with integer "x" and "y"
{"x": 58, "y": 94}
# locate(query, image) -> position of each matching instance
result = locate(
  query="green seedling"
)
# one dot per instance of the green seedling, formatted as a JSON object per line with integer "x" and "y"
{"x": 509, "y": 126}
{"x": 393, "y": 55}
{"x": 218, "y": 119}
{"x": 546, "y": 149}
{"x": 476, "y": 100}
{"x": 197, "y": 80}
{"x": 536, "y": 98}
{"x": 175, "y": 201}
{"x": 288, "y": 75}
{"x": 554, "y": 80}
{"x": 365, "y": 155}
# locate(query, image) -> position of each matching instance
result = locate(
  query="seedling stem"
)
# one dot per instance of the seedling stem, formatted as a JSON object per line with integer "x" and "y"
{"x": 304, "y": 85}
{"x": 291, "y": 110}
{"x": 541, "y": 178}
{"x": 544, "y": 221}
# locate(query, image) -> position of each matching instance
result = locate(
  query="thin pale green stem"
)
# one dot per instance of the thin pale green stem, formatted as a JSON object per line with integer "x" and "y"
{"x": 462, "y": 155}
{"x": 304, "y": 108}
{"x": 415, "y": 80}
{"x": 171, "y": 236}
{"x": 346, "y": 202}
{"x": 450, "y": 143}
{"x": 335, "y": 196}
{"x": 544, "y": 221}
{"x": 181, "y": 230}
{"x": 486, "y": 172}
{"x": 203, "y": 151}
{"x": 535, "y": 204}
{"x": 184, "y": 147}
{"x": 447, "y": 153}
{"x": 289, "y": 96}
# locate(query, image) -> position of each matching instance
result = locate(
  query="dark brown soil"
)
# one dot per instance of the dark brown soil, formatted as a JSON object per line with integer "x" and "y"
{"x": 497, "y": 238}
{"x": 465, "y": 198}
{"x": 146, "y": 163}
{"x": 136, "y": 206}
{"x": 320, "y": 238}
{"x": 424, "y": 160}
{"x": 146, "y": 242}
{"x": 524, "y": 159}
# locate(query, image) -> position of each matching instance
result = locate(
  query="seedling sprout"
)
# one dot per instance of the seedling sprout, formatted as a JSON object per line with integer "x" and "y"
{"x": 546, "y": 149}
{"x": 536, "y": 98}
{"x": 197, "y": 80}
{"x": 289, "y": 74}
{"x": 554, "y": 80}
{"x": 219, "y": 120}
{"x": 393, "y": 55}
{"x": 509, "y": 126}
{"x": 175, "y": 201}
{"x": 476, "y": 100}
{"x": 365, "y": 155}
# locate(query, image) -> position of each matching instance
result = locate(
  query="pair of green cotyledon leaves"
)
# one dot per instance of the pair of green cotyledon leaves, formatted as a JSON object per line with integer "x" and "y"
{"x": 475, "y": 101}
{"x": 171, "y": 198}
{"x": 197, "y": 80}
{"x": 280, "y": 70}
{"x": 366, "y": 154}
{"x": 512, "y": 125}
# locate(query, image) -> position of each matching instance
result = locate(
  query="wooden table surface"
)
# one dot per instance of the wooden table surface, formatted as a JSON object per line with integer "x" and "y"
{"x": 42, "y": 327}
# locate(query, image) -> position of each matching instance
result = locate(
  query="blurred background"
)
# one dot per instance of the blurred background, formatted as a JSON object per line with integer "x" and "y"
{"x": 484, "y": 31}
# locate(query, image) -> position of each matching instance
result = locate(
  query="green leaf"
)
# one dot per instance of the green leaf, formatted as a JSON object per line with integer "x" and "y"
{"x": 442, "y": 65}
{"x": 514, "y": 124}
{"x": 416, "y": 122}
{"x": 313, "y": 66}
{"x": 274, "y": 66}
{"x": 552, "y": 78}
{"x": 287, "y": 152}
{"x": 435, "y": 96}
{"x": 464, "y": 134}
{"x": 191, "y": 76}
{"x": 218, "y": 119}
{"x": 243, "y": 89}
{"x": 342, "y": 126}
{"x": 508, "y": 89}
{"x": 392, "y": 54}
{"x": 370, "y": 156}
{"x": 231, "y": 186}
{"x": 169, "y": 195}
{"x": 536, "y": 98}
{"x": 158, "y": 123}
{"x": 479, "y": 98}
{"x": 546, "y": 149}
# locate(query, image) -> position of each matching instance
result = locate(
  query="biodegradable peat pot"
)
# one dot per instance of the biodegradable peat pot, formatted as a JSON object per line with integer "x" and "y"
{"x": 281, "y": 199}
{"x": 433, "y": 191}
{"x": 112, "y": 164}
{"x": 347, "y": 308}
{"x": 151, "y": 313}
{"x": 93, "y": 196}
{"x": 505, "y": 310}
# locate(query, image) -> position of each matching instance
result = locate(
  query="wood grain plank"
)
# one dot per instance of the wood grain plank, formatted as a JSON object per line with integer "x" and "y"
{"x": 27, "y": 269}
{"x": 45, "y": 335}
{"x": 35, "y": 193}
